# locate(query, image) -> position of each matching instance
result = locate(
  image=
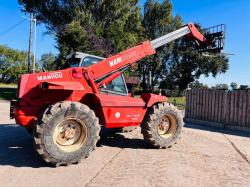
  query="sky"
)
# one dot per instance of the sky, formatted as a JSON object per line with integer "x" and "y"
{"x": 18, "y": 37}
{"x": 234, "y": 13}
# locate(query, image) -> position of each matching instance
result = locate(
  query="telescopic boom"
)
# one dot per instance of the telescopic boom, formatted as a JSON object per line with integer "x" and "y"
{"x": 130, "y": 56}
{"x": 186, "y": 30}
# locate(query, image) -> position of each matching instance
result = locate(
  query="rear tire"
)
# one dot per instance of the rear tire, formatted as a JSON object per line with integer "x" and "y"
{"x": 162, "y": 125}
{"x": 65, "y": 133}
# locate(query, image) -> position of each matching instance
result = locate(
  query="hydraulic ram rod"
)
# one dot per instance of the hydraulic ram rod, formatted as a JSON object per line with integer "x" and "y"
{"x": 189, "y": 29}
{"x": 170, "y": 37}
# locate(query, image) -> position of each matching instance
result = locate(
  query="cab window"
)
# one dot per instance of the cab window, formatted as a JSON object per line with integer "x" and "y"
{"x": 117, "y": 85}
{"x": 88, "y": 61}
{"x": 73, "y": 62}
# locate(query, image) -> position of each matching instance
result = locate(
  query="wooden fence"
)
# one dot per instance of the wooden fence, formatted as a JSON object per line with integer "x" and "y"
{"x": 229, "y": 109}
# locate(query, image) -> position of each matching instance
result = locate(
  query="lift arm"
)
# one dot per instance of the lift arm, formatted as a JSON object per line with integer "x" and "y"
{"x": 189, "y": 29}
{"x": 132, "y": 55}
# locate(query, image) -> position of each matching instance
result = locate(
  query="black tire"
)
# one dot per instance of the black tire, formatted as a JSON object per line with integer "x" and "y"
{"x": 162, "y": 114}
{"x": 47, "y": 133}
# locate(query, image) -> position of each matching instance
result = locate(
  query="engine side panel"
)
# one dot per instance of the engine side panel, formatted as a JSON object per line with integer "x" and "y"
{"x": 121, "y": 111}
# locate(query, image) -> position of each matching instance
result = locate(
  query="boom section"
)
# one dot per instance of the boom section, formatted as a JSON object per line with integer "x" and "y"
{"x": 120, "y": 60}
{"x": 189, "y": 29}
{"x": 170, "y": 37}
{"x": 134, "y": 54}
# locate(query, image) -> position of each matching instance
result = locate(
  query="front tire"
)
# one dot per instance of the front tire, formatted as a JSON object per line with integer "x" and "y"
{"x": 162, "y": 125}
{"x": 65, "y": 133}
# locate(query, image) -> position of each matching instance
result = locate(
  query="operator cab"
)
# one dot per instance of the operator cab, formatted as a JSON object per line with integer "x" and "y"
{"x": 79, "y": 59}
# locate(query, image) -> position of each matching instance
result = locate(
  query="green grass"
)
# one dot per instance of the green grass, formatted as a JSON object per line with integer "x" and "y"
{"x": 4, "y": 85}
{"x": 7, "y": 92}
{"x": 178, "y": 101}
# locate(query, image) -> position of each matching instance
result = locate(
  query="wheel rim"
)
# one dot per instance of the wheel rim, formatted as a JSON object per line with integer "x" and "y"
{"x": 167, "y": 126}
{"x": 70, "y": 135}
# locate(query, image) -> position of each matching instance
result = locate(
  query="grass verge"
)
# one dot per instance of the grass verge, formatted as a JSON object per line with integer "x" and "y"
{"x": 4, "y": 85}
{"x": 178, "y": 101}
{"x": 7, "y": 93}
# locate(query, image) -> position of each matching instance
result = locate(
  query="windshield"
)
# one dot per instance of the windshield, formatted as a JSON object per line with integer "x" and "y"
{"x": 82, "y": 62}
{"x": 89, "y": 60}
{"x": 73, "y": 62}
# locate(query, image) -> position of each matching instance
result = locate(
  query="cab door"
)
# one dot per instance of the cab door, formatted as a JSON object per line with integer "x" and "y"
{"x": 115, "y": 87}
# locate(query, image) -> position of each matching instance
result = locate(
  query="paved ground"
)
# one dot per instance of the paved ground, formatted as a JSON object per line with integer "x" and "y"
{"x": 203, "y": 157}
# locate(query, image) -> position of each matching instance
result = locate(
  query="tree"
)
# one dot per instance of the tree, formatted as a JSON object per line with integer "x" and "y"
{"x": 91, "y": 26}
{"x": 197, "y": 84}
{"x": 47, "y": 61}
{"x": 157, "y": 21}
{"x": 187, "y": 64}
{"x": 221, "y": 86}
{"x": 179, "y": 63}
{"x": 234, "y": 85}
{"x": 243, "y": 87}
{"x": 121, "y": 22}
{"x": 12, "y": 64}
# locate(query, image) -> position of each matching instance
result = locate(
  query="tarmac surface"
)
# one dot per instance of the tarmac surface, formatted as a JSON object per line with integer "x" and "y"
{"x": 204, "y": 156}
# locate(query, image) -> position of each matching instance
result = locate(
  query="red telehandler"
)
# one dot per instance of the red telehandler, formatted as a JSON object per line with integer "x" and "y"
{"x": 65, "y": 109}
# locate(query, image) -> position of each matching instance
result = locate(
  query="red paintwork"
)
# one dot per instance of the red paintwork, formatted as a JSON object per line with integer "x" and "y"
{"x": 26, "y": 116}
{"x": 195, "y": 33}
{"x": 115, "y": 62}
{"x": 151, "y": 99}
{"x": 122, "y": 111}
{"x": 39, "y": 90}
{"x": 67, "y": 85}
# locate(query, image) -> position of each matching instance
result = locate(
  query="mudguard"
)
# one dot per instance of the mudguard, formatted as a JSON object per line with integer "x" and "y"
{"x": 151, "y": 99}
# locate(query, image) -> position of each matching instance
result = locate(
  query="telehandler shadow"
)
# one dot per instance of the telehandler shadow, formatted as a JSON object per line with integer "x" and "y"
{"x": 112, "y": 139}
{"x": 16, "y": 146}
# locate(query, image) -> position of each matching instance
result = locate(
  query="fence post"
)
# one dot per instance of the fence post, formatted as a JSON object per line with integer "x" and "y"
{"x": 225, "y": 109}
